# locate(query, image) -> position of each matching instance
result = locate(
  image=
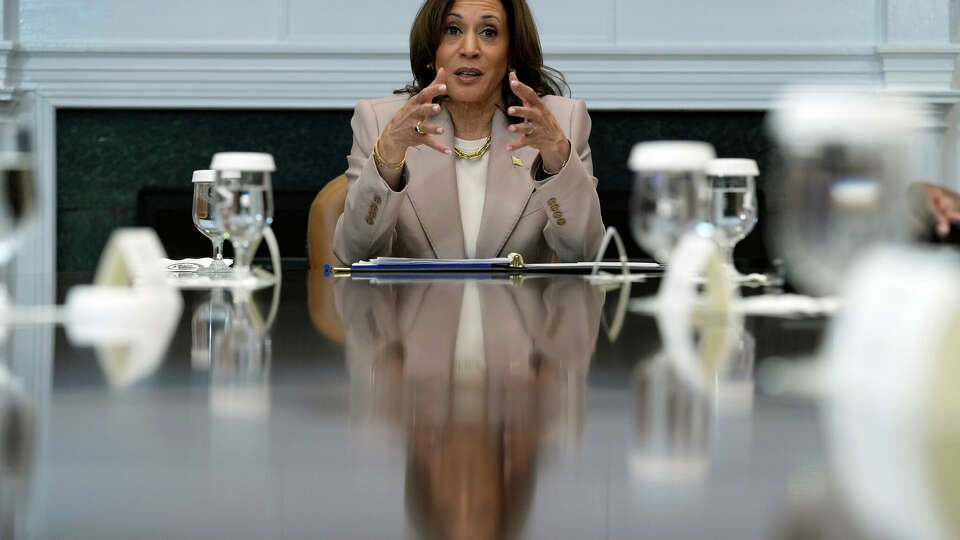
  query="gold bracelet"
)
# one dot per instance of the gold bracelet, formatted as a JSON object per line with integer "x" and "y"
{"x": 382, "y": 162}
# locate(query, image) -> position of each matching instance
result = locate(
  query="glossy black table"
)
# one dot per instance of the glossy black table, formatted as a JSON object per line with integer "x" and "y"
{"x": 452, "y": 408}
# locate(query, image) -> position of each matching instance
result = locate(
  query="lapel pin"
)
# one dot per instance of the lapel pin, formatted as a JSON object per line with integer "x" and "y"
{"x": 517, "y": 162}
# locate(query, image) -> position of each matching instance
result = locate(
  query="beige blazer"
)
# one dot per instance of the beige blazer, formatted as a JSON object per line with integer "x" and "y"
{"x": 538, "y": 219}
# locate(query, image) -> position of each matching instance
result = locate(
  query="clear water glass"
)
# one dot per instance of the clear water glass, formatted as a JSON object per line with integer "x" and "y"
{"x": 732, "y": 211}
{"x": 669, "y": 192}
{"x": 664, "y": 206}
{"x": 205, "y": 219}
{"x": 244, "y": 208}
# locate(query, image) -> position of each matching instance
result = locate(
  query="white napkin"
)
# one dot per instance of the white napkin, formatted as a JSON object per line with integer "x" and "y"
{"x": 765, "y": 305}
{"x": 788, "y": 305}
{"x": 202, "y": 262}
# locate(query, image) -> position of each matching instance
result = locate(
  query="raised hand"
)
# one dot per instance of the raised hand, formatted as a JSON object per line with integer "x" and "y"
{"x": 409, "y": 126}
{"x": 540, "y": 129}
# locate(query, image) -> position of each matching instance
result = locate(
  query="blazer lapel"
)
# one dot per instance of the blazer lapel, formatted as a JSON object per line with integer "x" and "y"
{"x": 509, "y": 186}
{"x": 433, "y": 193}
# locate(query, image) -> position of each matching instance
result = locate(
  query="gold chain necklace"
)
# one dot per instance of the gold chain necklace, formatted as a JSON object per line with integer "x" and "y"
{"x": 476, "y": 154}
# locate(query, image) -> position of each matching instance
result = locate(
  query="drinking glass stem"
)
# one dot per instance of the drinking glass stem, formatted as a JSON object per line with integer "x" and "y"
{"x": 241, "y": 266}
{"x": 218, "y": 250}
{"x": 728, "y": 256}
{"x": 217, "y": 266}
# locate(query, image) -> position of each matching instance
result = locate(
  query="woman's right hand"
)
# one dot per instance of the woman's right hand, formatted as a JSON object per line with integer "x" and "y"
{"x": 401, "y": 132}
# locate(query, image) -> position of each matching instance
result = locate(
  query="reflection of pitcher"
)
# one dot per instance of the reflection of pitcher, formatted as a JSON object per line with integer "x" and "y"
{"x": 704, "y": 373}
{"x": 479, "y": 376}
{"x": 672, "y": 423}
{"x": 240, "y": 352}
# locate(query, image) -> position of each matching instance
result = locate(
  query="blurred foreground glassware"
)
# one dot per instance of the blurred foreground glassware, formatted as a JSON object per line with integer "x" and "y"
{"x": 205, "y": 219}
{"x": 733, "y": 203}
{"x": 18, "y": 197}
{"x": 669, "y": 192}
{"x": 844, "y": 183}
{"x": 891, "y": 407}
{"x": 244, "y": 202}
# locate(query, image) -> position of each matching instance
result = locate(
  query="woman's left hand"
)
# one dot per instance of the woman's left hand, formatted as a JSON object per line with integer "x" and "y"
{"x": 540, "y": 129}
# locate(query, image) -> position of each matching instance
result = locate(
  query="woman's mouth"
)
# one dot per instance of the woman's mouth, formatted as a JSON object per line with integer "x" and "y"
{"x": 467, "y": 75}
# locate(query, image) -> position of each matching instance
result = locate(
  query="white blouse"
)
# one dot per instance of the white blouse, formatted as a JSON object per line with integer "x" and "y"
{"x": 471, "y": 191}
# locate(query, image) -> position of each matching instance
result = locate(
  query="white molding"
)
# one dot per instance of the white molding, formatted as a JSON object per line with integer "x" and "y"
{"x": 325, "y": 76}
{"x": 919, "y": 66}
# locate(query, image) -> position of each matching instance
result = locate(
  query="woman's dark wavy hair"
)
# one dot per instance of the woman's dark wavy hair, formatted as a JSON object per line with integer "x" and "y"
{"x": 526, "y": 56}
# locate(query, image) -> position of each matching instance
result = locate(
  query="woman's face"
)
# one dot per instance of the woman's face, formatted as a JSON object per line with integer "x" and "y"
{"x": 474, "y": 50}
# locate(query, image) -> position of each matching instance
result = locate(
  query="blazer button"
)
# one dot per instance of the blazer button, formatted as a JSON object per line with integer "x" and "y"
{"x": 558, "y": 215}
{"x": 369, "y": 220}
{"x": 561, "y": 221}
{"x": 552, "y": 201}
{"x": 377, "y": 199}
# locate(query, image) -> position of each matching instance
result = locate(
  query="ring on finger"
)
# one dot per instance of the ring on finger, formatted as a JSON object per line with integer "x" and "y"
{"x": 532, "y": 129}
{"x": 419, "y": 129}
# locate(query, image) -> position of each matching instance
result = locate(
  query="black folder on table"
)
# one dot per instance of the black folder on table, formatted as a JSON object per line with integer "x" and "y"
{"x": 511, "y": 264}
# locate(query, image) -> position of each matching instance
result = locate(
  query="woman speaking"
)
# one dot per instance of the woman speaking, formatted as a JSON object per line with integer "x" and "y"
{"x": 476, "y": 158}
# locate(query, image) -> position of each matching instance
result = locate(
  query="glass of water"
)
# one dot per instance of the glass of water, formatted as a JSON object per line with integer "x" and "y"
{"x": 244, "y": 202}
{"x": 205, "y": 219}
{"x": 733, "y": 202}
{"x": 669, "y": 192}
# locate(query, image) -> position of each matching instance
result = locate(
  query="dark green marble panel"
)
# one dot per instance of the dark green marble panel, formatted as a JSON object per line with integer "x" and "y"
{"x": 105, "y": 158}
{"x": 733, "y": 134}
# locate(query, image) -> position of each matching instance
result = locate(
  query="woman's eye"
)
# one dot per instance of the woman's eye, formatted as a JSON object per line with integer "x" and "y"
{"x": 451, "y": 30}
{"x": 489, "y": 32}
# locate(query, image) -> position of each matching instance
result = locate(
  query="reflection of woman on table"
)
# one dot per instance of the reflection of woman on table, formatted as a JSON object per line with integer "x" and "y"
{"x": 479, "y": 156}
{"x": 478, "y": 376}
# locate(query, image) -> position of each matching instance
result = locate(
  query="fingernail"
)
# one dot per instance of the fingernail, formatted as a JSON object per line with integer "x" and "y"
{"x": 514, "y": 83}
{"x": 436, "y": 108}
{"x": 509, "y": 147}
{"x": 511, "y": 110}
{"x": 439, "y": 130}
{"x": 448, "y": 152}
{"x": 443, "y": 88}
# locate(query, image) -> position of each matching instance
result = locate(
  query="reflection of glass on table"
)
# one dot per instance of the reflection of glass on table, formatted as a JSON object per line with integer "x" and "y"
{"x": 209, "y": 321}
{"x": 240, "y": 362}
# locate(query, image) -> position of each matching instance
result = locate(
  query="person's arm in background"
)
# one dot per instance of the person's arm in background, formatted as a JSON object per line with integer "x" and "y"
{"x": 935, "y": 206}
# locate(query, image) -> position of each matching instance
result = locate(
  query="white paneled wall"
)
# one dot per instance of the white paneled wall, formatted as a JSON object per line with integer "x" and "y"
{"x": 617, "y": 54}
{"x": 83, "y": 21}
{"x": 756, "y": 22}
